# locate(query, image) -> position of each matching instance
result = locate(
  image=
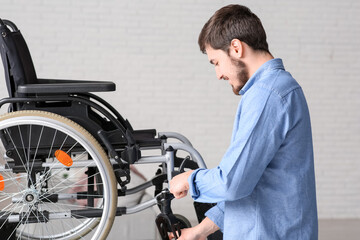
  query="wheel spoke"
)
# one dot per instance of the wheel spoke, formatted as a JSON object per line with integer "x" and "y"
{"x": 62, "y": 209}
{"x": 52, "y": 144}
{"x": 63, "y": 188}
{"x": 60, "y": 169}
{"x": 36, "y": 150}
{"x": 72, "y": 147}
{"x": 29, "y": 148}
{"x": 16, "y": 182}
{"x": 66, "y": 179}
{"x": 12, "y": 141}
{"x": 64, "y": 142}
{"x": 16, "y": 225}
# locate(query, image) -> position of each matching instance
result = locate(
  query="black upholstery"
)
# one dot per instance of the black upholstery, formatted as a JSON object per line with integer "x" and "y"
{"x": 20, "y": 73}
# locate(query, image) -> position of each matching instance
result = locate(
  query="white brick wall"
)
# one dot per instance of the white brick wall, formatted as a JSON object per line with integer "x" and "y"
{"x": 149, "y": 48}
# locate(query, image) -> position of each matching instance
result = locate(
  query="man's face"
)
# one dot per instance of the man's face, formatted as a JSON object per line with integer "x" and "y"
{"x": 228, "y": 68}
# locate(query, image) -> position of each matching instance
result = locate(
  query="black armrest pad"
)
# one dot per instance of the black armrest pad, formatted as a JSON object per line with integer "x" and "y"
{"x": 146, "y": 138}
{"x": 66, "y": 86}
{"x": 149, "y": 132}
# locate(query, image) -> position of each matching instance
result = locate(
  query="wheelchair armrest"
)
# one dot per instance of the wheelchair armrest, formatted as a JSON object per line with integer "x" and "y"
{"x": 146, "y": 138}
{"x": 66, "y": 86}
{"x": 144, "y": 134}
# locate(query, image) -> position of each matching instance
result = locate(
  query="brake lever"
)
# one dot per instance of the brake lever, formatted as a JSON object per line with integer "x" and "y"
{"x": 182, "y": 165}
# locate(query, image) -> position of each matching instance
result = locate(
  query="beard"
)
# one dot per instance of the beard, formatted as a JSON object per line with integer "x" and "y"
{"x": 242, "y": 75}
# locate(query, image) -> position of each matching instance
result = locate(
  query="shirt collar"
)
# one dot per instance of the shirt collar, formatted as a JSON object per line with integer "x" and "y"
{"x": 275, "y": 63}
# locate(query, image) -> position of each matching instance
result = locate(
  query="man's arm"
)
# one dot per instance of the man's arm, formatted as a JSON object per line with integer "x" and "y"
{"x": 262, "y": 128}
{"x": 179, "y": 186}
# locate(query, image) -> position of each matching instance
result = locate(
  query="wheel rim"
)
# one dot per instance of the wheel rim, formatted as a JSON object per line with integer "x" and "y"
{"x": 29, "y": 195}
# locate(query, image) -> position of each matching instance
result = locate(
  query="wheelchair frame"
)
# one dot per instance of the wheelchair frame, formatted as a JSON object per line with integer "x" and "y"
{"x": 122, "y": 144}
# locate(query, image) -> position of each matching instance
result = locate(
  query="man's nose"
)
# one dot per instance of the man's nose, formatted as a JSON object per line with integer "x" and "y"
{"x": 219, "y": 75}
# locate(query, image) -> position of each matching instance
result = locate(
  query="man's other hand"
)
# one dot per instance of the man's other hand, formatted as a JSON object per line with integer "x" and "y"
{"x": 179, "y": 185}
{"x": 199, "y": 232}
{"x": 189, "y": 234}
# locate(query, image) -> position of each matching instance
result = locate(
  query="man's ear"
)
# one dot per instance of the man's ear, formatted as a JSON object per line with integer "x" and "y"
{"x": 236, "y": 48}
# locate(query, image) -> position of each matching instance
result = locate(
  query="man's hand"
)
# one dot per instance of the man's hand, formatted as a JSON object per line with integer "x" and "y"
{"x": 179, "y": 185}
{"x": 189, "y": 234}
{"x": 199, "y": 232}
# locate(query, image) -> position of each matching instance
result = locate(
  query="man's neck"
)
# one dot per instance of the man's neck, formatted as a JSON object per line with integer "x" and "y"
{"x": 256, "y": 60}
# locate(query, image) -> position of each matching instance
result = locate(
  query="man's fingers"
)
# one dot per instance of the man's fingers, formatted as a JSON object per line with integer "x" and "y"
{"x": 179, "y": 185}
{"x": 180, "y": 194}
{"x": 171, "y": 236}
{"x": 184, "y": 193}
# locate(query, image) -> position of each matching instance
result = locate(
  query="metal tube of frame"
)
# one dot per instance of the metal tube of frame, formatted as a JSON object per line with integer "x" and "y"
{"x": 58, "y": 165}
{"x": 175, "y": 135}
{"x": 138, "y": 188}
{"x": 150, "y": 148}
{"x": 3, "y": 169}
{"x": 191, "y": 150}
{"x": 163, "y": 140}
{"x": 14, "y": 218}
{"x": 151, "y": 159}
{"x": 170, "y": 158}
{"x": 141, "y": 206}
{"x": 76, "y": 164}
{"x": 60, "y": 215}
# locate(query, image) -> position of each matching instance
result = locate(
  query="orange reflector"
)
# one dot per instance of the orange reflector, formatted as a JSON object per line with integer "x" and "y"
{"x": 63, "y": 157}
{"x": 2, "y": 183}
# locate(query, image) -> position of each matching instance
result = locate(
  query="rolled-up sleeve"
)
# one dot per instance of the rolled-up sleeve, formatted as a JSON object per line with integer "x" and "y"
{"x": 257, "y": 136}
{"x": 216, "y": 214}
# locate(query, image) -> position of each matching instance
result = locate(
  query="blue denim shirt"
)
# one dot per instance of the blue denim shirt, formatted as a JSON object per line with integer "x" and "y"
{"x": 265, "y": 183}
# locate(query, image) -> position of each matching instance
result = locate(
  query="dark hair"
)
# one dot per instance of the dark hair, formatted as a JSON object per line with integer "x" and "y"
{"x": 233, "y": 22}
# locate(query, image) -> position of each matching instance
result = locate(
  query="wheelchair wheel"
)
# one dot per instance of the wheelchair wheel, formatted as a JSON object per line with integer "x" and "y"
{"x": 184, "y": 222}
{"x": 56, "y": 181}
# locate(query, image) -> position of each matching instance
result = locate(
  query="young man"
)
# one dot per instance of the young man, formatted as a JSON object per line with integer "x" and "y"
{"x": 264, "y": 186}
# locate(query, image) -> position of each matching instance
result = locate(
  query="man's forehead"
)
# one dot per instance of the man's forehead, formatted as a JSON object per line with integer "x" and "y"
{"x": 213, "y": 54}
{"x": 209, "y": 49}
{"x": 210, "y": 52}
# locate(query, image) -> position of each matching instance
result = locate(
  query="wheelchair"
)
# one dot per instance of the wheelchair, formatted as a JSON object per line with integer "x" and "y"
{"x": 66, "y": 156}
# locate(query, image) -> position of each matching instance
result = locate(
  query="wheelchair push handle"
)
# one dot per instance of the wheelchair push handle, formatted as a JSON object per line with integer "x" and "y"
{"x": 4, "y": 22}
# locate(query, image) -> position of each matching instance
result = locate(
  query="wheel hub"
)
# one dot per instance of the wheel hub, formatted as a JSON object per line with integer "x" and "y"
{"x": 31, "y": 196}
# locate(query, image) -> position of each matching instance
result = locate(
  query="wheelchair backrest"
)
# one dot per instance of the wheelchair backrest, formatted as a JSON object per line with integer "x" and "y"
{"x": 18, "y": 65}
